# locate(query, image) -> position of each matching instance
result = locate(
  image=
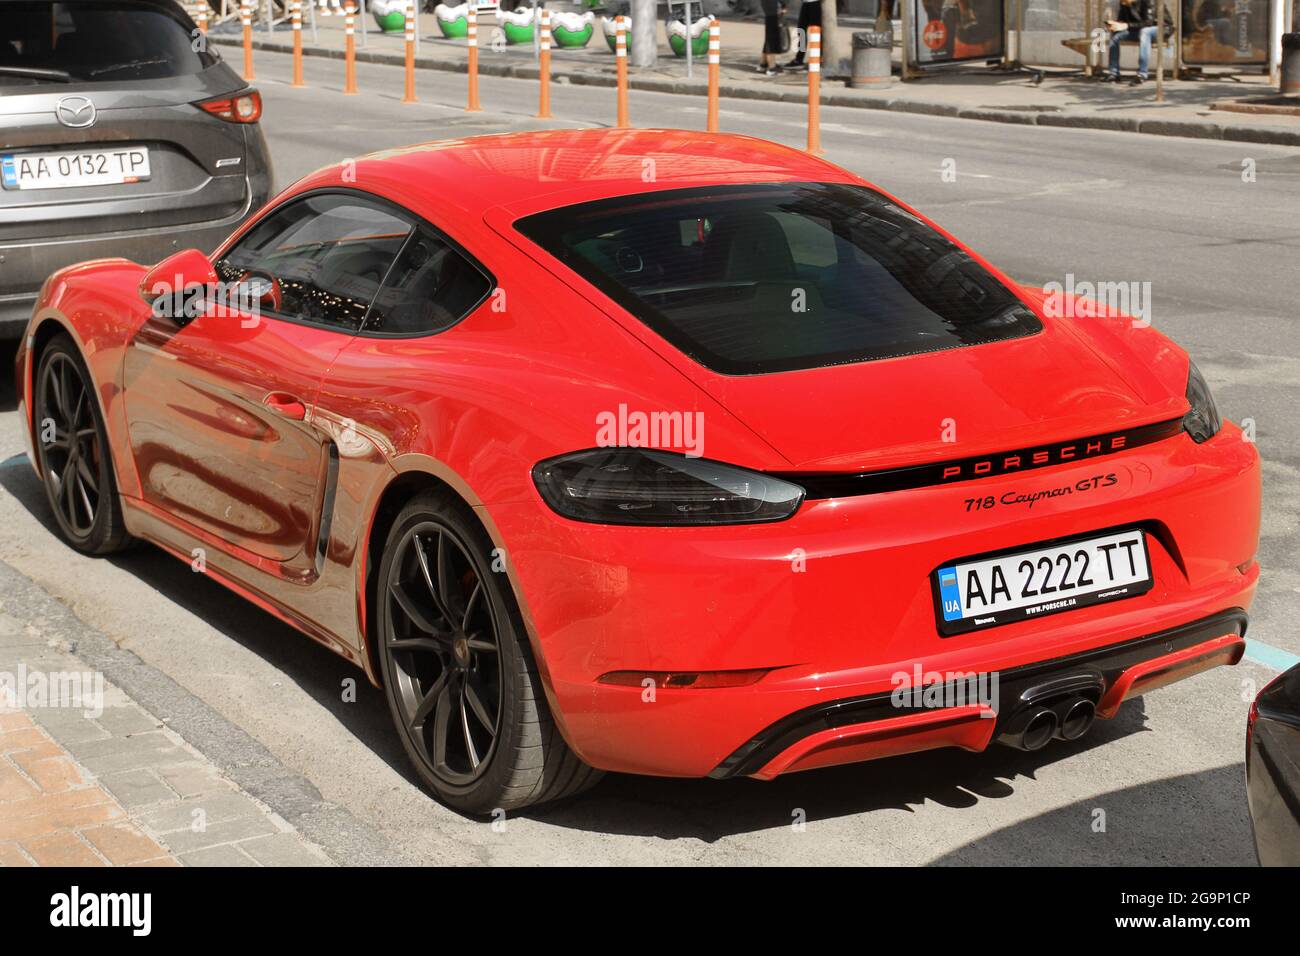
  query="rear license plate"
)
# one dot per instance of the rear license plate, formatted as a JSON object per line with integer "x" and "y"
{"x": 66, "y": 169}
{"x": 986, "y": 592}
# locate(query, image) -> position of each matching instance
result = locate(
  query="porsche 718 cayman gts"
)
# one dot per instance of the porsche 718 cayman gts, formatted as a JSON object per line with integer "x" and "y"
{"x": 655, "y": 452}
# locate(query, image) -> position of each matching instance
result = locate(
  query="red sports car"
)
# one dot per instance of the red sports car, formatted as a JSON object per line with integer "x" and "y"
{"x": 654, "y": 452}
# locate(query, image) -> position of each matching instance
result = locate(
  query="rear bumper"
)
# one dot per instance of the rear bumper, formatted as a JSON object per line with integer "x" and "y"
{"x": 866, "y": 728}
{"x": 36, "y": 260}
{"x": 15, "y": 312}
{"x": 835, "y": 603}
{"x": 28, "y": 263}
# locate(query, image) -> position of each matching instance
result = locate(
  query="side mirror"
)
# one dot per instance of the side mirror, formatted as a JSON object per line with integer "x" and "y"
{"x": 177, "y": 288}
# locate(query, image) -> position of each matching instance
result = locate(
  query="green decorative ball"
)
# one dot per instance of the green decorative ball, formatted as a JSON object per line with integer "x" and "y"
{"x": 699, "y": 44}
{"x": 453, "y": 28}
{"x": 516, "y": 33}
{"x": 572, "y": 38}
{"x": 392, "y": 22}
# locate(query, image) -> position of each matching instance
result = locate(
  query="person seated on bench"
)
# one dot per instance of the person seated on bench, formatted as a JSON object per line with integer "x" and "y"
{"x": 1136, "y": 21}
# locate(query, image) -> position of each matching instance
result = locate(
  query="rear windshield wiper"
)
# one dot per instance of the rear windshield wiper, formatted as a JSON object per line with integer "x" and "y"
{"x": 128, "y": 65}
{"x": 37, "y": 73}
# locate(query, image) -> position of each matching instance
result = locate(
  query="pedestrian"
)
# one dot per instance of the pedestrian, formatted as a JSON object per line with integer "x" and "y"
{"x": 1136, "y": 21}
{"x": 776, "y": 38}
{"x": 810, "y": 15}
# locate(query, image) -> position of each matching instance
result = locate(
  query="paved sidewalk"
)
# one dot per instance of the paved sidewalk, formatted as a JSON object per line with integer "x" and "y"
{"x": 90, "y": 778}
{"x": 1062, "y": 99}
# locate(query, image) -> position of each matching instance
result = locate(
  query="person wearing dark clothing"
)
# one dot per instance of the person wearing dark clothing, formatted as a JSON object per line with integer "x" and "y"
{"x": 774, "y": 43}
{"x": 1136, "y": 21}
{"x": 810, "y": 15}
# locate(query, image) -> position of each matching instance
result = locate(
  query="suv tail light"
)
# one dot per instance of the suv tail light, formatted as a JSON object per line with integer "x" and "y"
{"x": 244, "y": 108}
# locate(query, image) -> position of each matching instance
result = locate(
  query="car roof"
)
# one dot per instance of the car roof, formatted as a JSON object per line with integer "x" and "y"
{"x": 567, "y": 166}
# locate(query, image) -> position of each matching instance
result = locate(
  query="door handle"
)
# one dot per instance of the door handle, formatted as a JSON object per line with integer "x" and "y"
{"x": 285, "y": 404}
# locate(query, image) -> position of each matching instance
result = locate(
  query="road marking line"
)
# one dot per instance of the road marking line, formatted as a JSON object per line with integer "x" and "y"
{"x": 1270, "y": 656}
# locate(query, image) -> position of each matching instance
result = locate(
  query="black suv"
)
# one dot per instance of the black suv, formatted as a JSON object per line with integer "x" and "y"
{"x": 122, "y": 133}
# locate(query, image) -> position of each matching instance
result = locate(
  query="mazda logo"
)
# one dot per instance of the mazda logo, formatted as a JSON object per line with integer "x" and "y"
{"x": 75, "y": 111}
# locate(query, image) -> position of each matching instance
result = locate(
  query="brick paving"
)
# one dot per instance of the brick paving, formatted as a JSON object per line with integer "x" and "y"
{"x": 53, "y": 814}
{"x": 90, "y": 778}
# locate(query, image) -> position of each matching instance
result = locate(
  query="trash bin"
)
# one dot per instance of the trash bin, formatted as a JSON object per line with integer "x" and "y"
{"x": 1290, "y": 63}
{"x": 872, "y": 59}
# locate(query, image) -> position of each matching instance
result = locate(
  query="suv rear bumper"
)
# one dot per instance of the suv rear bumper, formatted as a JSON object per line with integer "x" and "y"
{"x": 15, "y": 311}
{"x": 39, "y": 259}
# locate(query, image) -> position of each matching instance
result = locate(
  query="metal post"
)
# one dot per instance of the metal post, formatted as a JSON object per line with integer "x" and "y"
{"x": 689, "y": 24}
{"x": 1020, "y": 32}
{"x": 408, "y": 94}
{"x": 1006, "y": 36}
{"x": 295, "y": 21}
{"x": 715, "y": 54}
{"x": 620, "y": 56}
{"x": 471, "y": 43}
{"x": 1160, "y": 51}
{"x": 246, "y": 20}
{"x": 349, "y": 49}
{"x": 641, "y": 33}
{"x": 909, "y": 28}
{"x": 364, "y": 31}
{"x": 1087, "y": 32}
{"x": 544, "y": 66}
{"x": 814, "y": 90}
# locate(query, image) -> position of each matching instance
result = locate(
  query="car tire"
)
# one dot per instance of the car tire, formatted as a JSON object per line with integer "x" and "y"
{"x": 75, "y": 457}
{"x": 441, "y": 599}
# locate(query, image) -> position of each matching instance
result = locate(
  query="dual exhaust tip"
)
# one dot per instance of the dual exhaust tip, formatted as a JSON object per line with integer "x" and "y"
{"x": 1035, "y": 727}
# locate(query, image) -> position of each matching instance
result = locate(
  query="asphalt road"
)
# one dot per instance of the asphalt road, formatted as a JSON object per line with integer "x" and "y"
{"x": 1162, "y": 783}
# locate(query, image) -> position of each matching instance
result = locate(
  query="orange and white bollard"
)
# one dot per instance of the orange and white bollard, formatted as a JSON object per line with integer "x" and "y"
{"x": 350, "y": 50}
{"x": 203, "y": 17}
{"x": 408, "y": 94}
{"x": 814, "y": 90}
{"x": 295, "y": 8}
{"x": 620, "y": 56}
{"x": 246, "y": 21}
{"x": 471, "y": 39}
{"x": 544, "y": 67}
{"x": 715, "y": 53}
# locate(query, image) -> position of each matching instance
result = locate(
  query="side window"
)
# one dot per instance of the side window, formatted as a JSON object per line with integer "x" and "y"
{"x": 320, "y": 259}
{"x": 432, "y": 286}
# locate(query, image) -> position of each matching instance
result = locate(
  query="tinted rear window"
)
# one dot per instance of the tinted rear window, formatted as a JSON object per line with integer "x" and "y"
{"x": 93, "y": 42}
{"x": 750, "y": 279}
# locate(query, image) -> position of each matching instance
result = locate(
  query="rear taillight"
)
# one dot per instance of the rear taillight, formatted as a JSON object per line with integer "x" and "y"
{"x": 244, "y": 108}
